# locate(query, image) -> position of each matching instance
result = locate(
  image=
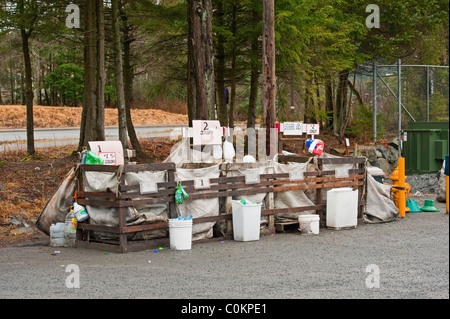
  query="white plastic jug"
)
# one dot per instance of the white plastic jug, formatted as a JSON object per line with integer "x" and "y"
{"x": 80, "y": 212}
{"x": 57, "y": 235}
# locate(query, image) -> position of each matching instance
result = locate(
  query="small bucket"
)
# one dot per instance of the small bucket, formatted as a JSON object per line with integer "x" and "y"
{"x": 308, "y": 224}
{"x": 180, "y": 234}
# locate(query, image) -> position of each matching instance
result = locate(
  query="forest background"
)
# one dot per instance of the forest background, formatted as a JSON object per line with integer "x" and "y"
{"x": 137, "y": 54}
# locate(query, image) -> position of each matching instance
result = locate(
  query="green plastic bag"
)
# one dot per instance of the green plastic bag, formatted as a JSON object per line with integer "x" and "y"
{"x": 180, "y": 194}
{"x": 91, "y": 158}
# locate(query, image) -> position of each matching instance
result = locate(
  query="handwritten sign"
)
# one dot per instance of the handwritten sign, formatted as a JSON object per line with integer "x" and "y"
{"x": 292, "y": 128}
{"x": 312, "y": 129}
{"x": 207, "y": 132}
{"x": 110, "y": 151}
{"x": 108, "y": 158}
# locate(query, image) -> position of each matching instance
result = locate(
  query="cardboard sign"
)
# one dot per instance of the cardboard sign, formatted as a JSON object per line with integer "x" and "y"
{"x": 110, "y": 151}
{"x": 207, "y": 132}
{"x": 292, "y": 128}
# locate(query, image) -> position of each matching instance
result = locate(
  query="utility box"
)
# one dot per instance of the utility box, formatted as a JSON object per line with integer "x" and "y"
{"x": 426, "y": 146}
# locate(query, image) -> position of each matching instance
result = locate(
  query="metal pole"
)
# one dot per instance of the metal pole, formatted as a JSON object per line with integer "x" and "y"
{"x": 392, "y": 92}
{"x": 399, "y": 108}
{"x": 428, "y": 93}
{"x": 374, "y": 101}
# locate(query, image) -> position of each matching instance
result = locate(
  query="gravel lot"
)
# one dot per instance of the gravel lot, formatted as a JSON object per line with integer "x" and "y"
{"x": 411, "y": 256}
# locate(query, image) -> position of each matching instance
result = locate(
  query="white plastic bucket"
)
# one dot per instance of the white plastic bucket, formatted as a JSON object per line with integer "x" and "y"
{"x": 180, "y": 234}
{"x": 308, "y": 224}
{"x": 246, "y": 221}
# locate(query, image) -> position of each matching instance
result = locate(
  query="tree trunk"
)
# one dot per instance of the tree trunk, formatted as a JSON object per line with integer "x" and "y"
{"x": 119, "y": 74}
{"x": 220, "y": 70}
{"x": 254, "y": 77}
{"x": 202, "y": 57}
{"x": 191, "y": 81}
{"x": 101, "y": 74}
{"x": 329, "y": 103}
{"x": 269, "y": 85}
{"x": 29, "y": 90}
{"x": 128, "y": 82}
{"x": 89, "y": 114}
{"x": 233, "y": 67}
{"x": 340, "y": 113}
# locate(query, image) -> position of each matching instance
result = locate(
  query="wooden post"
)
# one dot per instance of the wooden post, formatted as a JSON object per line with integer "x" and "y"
{"x": 269, "y": 85}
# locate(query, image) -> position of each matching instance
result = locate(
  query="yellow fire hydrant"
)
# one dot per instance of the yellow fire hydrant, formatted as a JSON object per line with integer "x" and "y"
{"x": 400, "y": 188}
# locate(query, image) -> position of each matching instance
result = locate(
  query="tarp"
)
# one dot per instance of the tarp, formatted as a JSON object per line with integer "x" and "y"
{"x": 200, "y": 207}
{"x": 379, "y": 206}
{"x": 296, "y": 198}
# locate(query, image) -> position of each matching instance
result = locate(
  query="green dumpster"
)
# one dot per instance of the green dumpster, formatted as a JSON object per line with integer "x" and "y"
{"x": 426, "y": 146}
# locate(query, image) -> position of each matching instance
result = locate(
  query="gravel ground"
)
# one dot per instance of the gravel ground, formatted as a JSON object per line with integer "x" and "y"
{"x": 411, "y": 256}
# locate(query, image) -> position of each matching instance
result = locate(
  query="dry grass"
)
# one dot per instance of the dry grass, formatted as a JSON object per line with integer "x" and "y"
{"x": 14, "y": 116}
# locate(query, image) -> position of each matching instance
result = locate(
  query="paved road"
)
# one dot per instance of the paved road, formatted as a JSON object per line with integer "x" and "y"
{"x": 411, "y": 256}
{"x": 16, "y": 138}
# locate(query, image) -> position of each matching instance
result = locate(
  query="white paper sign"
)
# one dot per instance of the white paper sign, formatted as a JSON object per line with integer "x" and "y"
{"x": 292, "y": 128}
{"x": 148, "y": 187}
{"x": 108, "y": 158}
{"x": 296, "y": 175}
{"x": 110, "y": 151}
{"x": 202, "y": 183}
{"x": 312, "y": 129}
{"x": 252, "y": 178}
{"x": 207, "y": 132}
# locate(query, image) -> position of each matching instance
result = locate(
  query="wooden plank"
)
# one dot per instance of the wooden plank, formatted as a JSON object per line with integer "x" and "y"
{"x": 149, "y": 167}
{"x": 280, "y": 227}
{"x": 341, "y": 160}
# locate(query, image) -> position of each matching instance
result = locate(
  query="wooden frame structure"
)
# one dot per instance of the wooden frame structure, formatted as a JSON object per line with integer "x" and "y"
{"x": 223, "y": 187}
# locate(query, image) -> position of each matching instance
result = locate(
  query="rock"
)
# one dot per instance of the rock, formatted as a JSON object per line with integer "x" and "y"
{"x": 385, "y": 166}
{"x": 392, "y": 155}
{"x": 22, "y": 230}
{"x": 381, "y": 150}
{"x": 3, "y": 187}
{"x": 371, "y": 154}
{"x": 394, "y": 143}
{"x": 15, "y": 222}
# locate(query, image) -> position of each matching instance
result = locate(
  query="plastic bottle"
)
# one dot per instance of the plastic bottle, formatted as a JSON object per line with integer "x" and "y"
{"x": 70, "y": 229}
{"x": 57, "y": 234}
{"x": 80, "y": 212}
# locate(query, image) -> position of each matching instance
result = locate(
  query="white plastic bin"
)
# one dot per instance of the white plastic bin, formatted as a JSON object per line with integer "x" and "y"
{"x": 180, "y": 234}
{"x": 246, "y": 221}
{"x": 308, "y": 224}
{"x": 342, "y": 208}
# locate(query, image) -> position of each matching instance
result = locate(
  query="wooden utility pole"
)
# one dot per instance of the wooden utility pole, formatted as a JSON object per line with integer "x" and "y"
{"x": 269, "y": 88}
